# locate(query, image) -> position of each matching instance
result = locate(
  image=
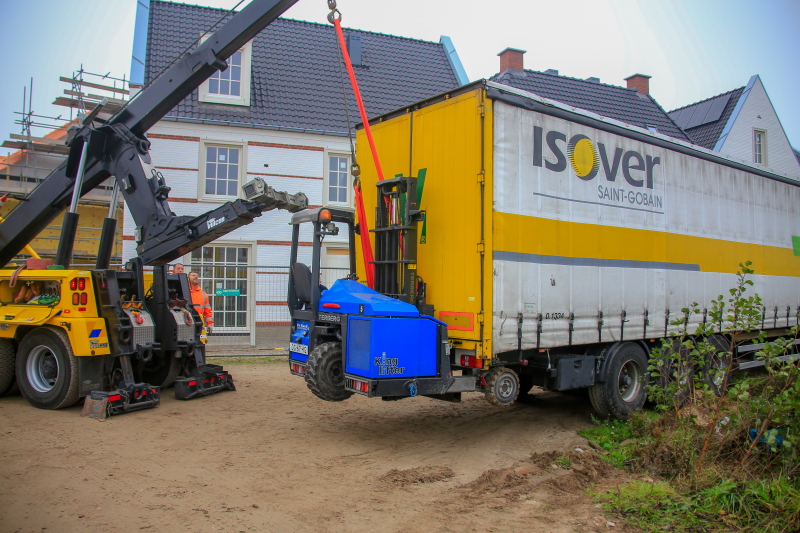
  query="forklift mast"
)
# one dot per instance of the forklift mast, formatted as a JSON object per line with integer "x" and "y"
{"x": 117, "y": 147}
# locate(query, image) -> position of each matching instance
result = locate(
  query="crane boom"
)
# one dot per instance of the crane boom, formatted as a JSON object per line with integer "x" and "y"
{"x": 118, "y": 148}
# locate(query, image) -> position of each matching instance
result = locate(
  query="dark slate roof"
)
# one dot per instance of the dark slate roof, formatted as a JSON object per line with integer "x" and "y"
{"x": 707, "y": 134}
{"x": 796, "y": 154}
{"x": 296, "y": 82}
{"x": 619, "y": 103}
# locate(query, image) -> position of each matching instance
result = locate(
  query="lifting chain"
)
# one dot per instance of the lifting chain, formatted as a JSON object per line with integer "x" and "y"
{"x": 355, "y": 169}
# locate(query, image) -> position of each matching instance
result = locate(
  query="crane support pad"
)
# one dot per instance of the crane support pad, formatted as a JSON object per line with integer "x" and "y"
{"x": 187, "y": 388}
{"x": 133, "y": 398}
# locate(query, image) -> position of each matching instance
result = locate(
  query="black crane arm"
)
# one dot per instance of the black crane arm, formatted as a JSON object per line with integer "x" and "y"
{"x": 118, "y": 148}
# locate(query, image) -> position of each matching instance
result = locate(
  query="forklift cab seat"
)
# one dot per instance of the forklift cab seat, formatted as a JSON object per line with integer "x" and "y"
{"x": 301, "y": 276}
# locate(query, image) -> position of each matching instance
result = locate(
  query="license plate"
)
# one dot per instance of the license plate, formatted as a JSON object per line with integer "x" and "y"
{"x": 299, "y": 348}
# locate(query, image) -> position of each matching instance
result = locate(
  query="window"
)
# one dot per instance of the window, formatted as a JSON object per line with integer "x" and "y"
{"x": 231, "y": 86}
{"x": 759, "y": 147}
{"x": 229, "y": 81}
{"x": 223, "y": 276}
{"x": 338, "y": 181}
{"x": 222, "y": 171}
{"x": 652, "y": 128}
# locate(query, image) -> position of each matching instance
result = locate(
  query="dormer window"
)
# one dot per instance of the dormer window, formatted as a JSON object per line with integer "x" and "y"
{"x": 228, "y": 82}
{"x": 231, "y": 86}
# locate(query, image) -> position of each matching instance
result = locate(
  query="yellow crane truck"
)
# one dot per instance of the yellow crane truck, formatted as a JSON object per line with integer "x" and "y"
{"x": 70, "y": 333}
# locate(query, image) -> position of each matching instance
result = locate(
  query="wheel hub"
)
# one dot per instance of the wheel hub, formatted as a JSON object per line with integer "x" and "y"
{"x": 629, "y": 381}
{"x": 42, "y": 369}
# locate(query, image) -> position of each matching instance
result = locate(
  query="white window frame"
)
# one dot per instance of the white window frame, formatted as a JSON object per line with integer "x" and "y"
{"x": 763, "y": 133}
{"x": 251, "y": 278}
{"x": 244, "y": 98}
{"x": 201, "y": 174}
{"x": 326, "y": 170}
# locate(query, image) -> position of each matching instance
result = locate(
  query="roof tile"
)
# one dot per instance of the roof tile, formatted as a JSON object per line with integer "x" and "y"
{"x": 295, "y": 80}
{"x": 611, "y": 101}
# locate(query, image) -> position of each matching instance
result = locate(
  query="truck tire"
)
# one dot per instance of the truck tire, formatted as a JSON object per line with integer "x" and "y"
{"x": 47, "y": 370}
{"x": 162, "y": 373}
{"x": 715, "y": 369}
{"x": 502, "y": 386}
{"x": 7, "y": 357}
{"x": 325, "y": 373}
{"x": 675, "y": 363}
{"x": 525, "y": 386}
{"x": 623, "y": 392}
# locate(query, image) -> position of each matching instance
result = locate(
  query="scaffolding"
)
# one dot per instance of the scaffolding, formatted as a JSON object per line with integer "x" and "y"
{"x": 37, "y": 154}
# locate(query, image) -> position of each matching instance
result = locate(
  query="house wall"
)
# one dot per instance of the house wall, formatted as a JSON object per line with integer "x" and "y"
{"x": 739, "y": 142}
{"x": 296, "y": 163}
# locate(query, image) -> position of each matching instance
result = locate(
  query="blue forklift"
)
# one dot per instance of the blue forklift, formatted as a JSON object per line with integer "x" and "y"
{"x": 380, "y": 343}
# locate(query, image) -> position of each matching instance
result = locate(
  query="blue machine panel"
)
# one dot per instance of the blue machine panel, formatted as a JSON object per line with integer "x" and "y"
{"x": 354, "y": 298}
{"x": 379, "y": 347}
{"x": 358, "y": 344}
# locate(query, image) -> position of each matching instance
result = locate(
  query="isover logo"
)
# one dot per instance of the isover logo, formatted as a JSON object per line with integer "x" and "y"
{"x": 586, "y": 160}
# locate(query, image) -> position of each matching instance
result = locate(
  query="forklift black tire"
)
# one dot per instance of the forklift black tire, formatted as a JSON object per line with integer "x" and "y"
{"x": 162, "y": 373}
{"x": 7, "y": 363}
{"x": 47, "y": 370}
{"x": 624, "y": 391}
{"x": 325, "y": 373}
{"x": 502, "y": 386}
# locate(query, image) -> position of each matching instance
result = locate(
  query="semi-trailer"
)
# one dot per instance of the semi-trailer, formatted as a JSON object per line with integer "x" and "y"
{"x": 535, "y": 244}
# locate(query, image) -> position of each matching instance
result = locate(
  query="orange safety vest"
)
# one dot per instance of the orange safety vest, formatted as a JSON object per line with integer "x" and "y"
{"x": 201, "y": 305}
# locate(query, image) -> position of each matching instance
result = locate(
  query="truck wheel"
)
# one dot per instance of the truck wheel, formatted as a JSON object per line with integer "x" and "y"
{"x": 7, "y": 357}
{"x": 325, "y": 373}
{"x": 162, "y": 373}
{"x": 624, "y": 391}
{"x": 716, "y": 368}
{"x": 502, "y": 386}
{"x": 47, "y": 370}
{"x": 675, "y": 364}
{"x": 525, "y": 386}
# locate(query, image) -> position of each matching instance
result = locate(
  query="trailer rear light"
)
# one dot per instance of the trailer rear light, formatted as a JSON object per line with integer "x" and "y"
{"x": 83, "y": 298}
{"x": 75, "y": 297}
{"x": 331, "y": 306}
{"x": 298, "y": 369}
{"x": 360, "y": 386}
{"x": 114, "y": 398}
{"x": 73, "y": 284}
{"x": 192, "y": 383}
{"x": 81, "y": 284}
{"x": 471, "y": 361}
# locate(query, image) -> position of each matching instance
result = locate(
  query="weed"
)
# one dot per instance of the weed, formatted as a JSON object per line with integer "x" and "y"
{"x": 564, "y": 462}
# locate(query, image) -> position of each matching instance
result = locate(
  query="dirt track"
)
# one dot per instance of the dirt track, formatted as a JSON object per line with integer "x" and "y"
{"x": 271, "y": 457}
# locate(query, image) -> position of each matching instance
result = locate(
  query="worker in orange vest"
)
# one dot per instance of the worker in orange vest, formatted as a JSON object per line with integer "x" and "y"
{"x": 200, "y": 301}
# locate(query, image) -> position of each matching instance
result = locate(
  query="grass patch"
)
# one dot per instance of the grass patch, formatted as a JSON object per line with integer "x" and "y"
{"x": 610, "y": 435}
{"x": 563, "y": 462}
{"x": 752, "y": 506}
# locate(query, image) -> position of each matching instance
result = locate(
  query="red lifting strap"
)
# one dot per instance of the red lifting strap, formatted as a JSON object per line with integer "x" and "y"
{"x": 366, "y": 246}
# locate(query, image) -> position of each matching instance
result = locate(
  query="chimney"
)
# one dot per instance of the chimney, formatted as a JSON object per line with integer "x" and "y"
{"x": 511, "y": 58}
{"x": 353, "y": 43}
{"x": 640, "y": 82}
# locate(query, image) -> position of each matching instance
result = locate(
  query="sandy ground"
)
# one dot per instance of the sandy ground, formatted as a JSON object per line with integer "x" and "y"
{"x": 272, "y": 457}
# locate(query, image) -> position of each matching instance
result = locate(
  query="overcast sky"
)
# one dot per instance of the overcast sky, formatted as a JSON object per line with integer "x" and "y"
{"x": 693, "y": 49}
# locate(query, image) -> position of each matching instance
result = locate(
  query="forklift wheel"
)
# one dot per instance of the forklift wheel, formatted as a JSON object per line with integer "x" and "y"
{"x": 502, "y": 386}
{"x": 325, "y": 373}
{"x": 47, "y": 370}
{"x": 6, "y": 365}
